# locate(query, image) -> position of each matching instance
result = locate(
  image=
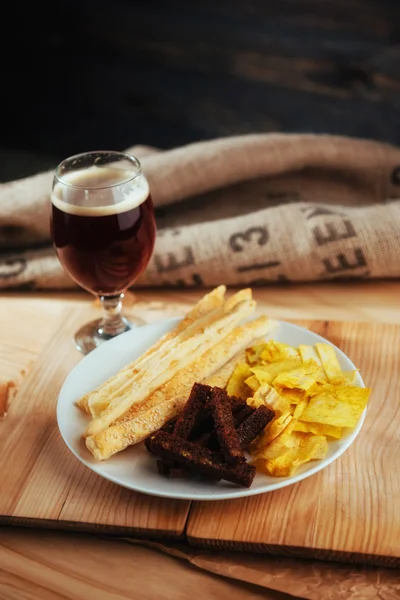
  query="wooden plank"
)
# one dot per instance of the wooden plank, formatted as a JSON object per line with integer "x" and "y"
{"x": 43, "y": 485}
{"x": 348, "y": 511}
{"x": 55, "y": 566}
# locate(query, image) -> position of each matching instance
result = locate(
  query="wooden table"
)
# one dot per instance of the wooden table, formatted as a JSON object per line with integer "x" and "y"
{"x": 51, "y": 565}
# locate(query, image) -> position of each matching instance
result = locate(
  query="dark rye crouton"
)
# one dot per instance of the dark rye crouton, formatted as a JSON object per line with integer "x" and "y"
{"x": 228, "y": 438}
{"x": 214, "y": 430}
{"x": 192, "y": 456}
{"x": 194, "y": 406}
{"x": 253, "y": 425}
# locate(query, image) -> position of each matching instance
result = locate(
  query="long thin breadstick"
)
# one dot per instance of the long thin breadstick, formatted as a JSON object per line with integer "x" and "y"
{"x": 118, "y": 391}
{"x": 165, "y": 368}
{"x": 117, "y": 438}
{"x": 98, "y": 404}
{"x": 96, "y": 401}
{"x": 240, "y": 296}
{"x": 165, "y": 403}
{"x": 220, "y": 378}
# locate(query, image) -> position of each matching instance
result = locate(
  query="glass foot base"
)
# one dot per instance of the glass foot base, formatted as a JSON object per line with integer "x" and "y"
{"x": 91, "y": 336}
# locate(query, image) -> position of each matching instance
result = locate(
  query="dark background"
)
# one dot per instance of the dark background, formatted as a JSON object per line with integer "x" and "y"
{"x": 106, "y": 75}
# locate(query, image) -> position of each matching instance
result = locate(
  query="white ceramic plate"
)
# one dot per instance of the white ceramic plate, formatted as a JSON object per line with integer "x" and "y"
{"x": 134, "y": 468}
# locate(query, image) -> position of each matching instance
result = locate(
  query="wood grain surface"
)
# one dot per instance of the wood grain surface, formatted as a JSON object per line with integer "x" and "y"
{"x": 53, "y": 564}
{"x": 350, "y": 510}
{"x": 345, "y": 512}
{"x": 46, "y": 486}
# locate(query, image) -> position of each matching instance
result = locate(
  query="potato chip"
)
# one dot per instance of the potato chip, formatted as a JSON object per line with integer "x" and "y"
{"x": 277, "y": 352}
{"x": 319, "y": 429}
{"x": 253, "y": 383}
{"x": 255, "y": 402}
{"x": 298, "y": 409}
{"x": 300, "y": 382}
{"x": 312, "y": 397}
{"x": 329, "y": 361}
{"x": 267, "y": 396}
{"x": 268, "y": 373}
{"x": 290, "y": 427}
{"x": 281, "y": 426}
{"x": 253, "y": 354}
{"x": 350, "y": 376}
{"x": 339, "y": 405}
{"x": 307, "y": 352}
{"x": 293, "y": 396}
{"x": 285, "y": 454}
{"x": 272, "y": 431}
{"x": 237, "y": 383}
{"x": 347, "y": 377}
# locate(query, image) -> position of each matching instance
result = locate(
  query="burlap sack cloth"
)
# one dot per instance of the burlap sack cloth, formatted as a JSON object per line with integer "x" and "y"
{"x": 241, "y": 210}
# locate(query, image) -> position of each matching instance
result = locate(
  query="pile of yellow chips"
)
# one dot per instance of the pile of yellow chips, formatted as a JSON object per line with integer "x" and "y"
{"x": 312, "y": 398}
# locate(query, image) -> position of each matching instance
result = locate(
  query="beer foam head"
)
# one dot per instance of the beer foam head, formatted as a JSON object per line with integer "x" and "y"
{"x": 100, "y": 191}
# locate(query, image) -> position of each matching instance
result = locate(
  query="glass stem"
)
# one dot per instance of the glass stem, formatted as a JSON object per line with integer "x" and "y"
{"x": 112, "y": 323}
